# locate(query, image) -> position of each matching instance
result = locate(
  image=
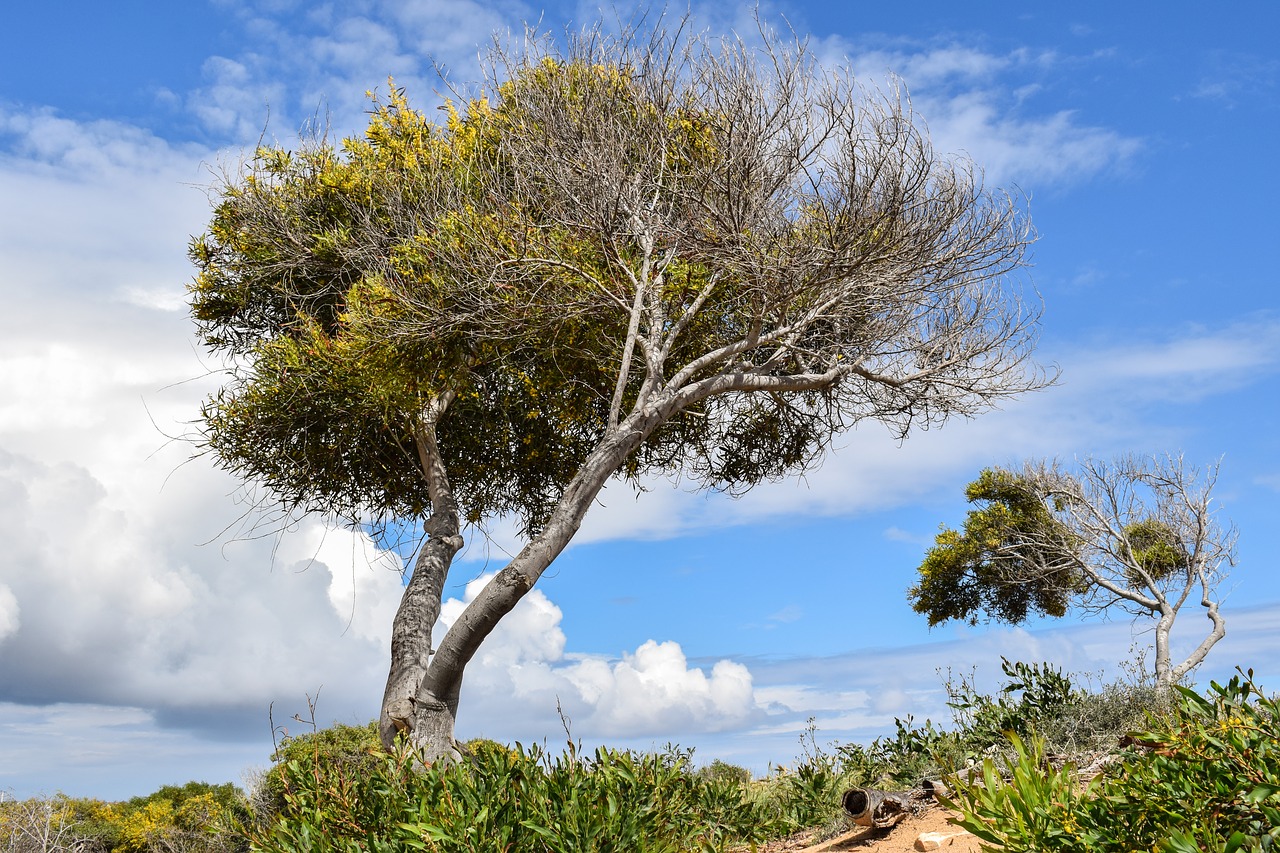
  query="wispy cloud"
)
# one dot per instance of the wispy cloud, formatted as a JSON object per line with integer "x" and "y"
{"x": 982, "y": 105}
{"x": 310, "y": 68}
{"x": 1235, "y": 78}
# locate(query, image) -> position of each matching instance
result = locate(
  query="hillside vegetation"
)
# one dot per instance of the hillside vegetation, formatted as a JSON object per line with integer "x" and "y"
{"x": 1177, "y": 771}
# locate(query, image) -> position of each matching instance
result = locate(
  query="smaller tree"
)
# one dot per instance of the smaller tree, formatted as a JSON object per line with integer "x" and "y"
{"x": 1139, "y": 535}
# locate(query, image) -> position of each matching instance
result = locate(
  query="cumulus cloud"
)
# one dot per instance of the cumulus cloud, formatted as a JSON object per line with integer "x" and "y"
{"x": 118, "y": 601}
{"x": 652, "y": 690}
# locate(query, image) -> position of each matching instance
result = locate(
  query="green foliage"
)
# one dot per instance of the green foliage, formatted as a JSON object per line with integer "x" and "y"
{"x": 722, "y": 771}
{"x": 1155, "y": 548}
{"x": 1012, "y": 560}
{"x": 809, "y": 794}
{"x": 1044, "y": 695}
{"x": 339, "y": 791}
{"x": 339, "y": 749}
{"x": 1204, "y": 777}
{"x": 351, "y": 286}
{"x": 294, "y": 284}
{"x": 1037, "y": 809}
{"x": 513, "y": 799}
{"x": 1203, "y": 774}
{"x": 493, "y": 256}
{"x": 900, "y": 762}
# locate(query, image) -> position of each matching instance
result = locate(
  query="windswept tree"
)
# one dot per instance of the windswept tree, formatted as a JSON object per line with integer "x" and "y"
{"x": 1137, "y": 535}
{"x": 629, "y": 257}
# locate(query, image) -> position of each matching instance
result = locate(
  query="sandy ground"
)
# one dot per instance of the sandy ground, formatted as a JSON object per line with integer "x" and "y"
{"x": 899, "y": 839}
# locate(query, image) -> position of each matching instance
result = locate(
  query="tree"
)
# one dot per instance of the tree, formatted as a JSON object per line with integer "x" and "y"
{"x": 1138, "y": 535}
{"x": 633, "y": 257}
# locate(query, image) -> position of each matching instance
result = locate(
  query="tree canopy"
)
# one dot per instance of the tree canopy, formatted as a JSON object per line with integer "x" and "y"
{"x": 1013, "y": 559}
{"x": 635, "y": 256}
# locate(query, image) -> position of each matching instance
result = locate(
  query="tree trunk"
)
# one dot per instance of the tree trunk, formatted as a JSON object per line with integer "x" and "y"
{"x": 427, "y": 714}
{"x": 421, "y": 698}
{"x": 1164, "y": 669}
{"x": 1216, "y": 633}
{"x": 410, "y": 707}
{"x": 403, "y": 700}
{"x": 432, "y": 734}
{"x": 505, "y": 590}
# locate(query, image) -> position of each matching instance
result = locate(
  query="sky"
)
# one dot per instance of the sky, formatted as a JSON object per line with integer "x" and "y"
{"x": 149, "y": 636}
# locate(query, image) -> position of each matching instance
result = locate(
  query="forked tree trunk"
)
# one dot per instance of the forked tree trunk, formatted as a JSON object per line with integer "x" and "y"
{"x": 421, "y": 698}
{"x": 433, "y": 723}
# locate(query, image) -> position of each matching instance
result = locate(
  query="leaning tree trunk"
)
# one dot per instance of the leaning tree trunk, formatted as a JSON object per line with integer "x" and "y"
{"x": 422, "y": 690}
{"x": 421, "y": 698}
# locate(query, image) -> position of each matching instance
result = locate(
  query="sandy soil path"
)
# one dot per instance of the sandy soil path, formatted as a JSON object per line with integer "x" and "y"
{"x": 899, "y": 839}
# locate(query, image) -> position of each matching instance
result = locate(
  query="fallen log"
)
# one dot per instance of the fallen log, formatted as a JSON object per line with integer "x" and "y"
{"x": 881, "y": 809}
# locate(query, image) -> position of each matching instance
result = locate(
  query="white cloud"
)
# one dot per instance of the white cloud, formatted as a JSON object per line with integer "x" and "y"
{"x": 978, "y": 104}
{"x": 10, "y": 613}
{"x": 927, "y": 68}
{"x": 1018, "y": 150}
{"x": 649, "y": 691}
{"x": 314, "y": 66}
{"x": 104, "y": 516}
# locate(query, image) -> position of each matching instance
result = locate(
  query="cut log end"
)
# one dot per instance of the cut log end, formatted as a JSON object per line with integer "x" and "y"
{"x": 880, "y": 809}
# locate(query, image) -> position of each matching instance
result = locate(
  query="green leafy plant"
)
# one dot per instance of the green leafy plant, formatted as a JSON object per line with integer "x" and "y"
{"x": 514, "y": 799}
{"x": 1019, "y": 805}
{"x": 1205, "y": 776}
{"x": 345, "y": 748}
{"x": 1033, "y": 695}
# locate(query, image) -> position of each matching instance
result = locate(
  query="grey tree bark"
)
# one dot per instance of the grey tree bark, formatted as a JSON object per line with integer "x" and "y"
{"x": 411, "y": 706}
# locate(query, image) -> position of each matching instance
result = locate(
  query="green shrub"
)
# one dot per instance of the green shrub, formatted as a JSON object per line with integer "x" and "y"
{"x": 722, "y": 771}
{"x": 1024, "y": 806}
{"x": 512, "y": 799}
{"x": 339, "y": 748}
{"x": 1205, "y": 776}
{"x": 1043, "y": 695}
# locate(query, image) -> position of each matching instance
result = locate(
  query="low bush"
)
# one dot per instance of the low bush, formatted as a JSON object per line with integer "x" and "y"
{"x": 722, "y": 771}
{"x": 1202, "y": 772}
{"x": 1204, "y": 776}
{"x": 515, "y": 799}
{"x": 338, "y": 749}
{"x": 193, "y": 818}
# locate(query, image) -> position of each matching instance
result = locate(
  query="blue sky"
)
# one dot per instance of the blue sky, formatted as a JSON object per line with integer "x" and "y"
{"x": 142, "y": 641}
